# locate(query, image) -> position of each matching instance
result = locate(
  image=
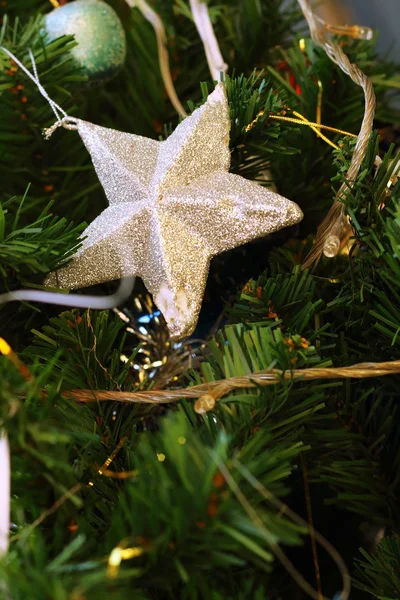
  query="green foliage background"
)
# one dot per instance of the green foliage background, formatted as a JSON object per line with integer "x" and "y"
{"x": 197, "y": 538}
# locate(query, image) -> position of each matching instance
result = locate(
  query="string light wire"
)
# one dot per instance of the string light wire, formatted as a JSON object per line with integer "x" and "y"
{"x": 327, "y": 240}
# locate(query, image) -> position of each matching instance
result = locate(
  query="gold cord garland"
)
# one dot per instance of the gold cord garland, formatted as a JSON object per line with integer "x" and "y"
{"x": 304, "y": 121}
{"x": 109, "y": 460}
{"x": 317, "y": 127}
{"x": 299, "y": 119}
{"x": 118, "y": 554}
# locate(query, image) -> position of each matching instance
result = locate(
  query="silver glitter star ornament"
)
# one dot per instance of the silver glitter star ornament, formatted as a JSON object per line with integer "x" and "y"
{"x": 173, "y": 206}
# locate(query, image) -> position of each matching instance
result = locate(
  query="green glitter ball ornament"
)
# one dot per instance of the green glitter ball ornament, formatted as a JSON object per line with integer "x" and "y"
{"x": 101, "y": 39}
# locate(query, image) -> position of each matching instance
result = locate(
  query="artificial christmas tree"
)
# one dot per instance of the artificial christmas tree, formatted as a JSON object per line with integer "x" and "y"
{"x": 259, "y": 458}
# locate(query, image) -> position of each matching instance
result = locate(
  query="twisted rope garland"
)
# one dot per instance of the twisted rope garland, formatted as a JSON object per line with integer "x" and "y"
{"x": 217, "y": 389}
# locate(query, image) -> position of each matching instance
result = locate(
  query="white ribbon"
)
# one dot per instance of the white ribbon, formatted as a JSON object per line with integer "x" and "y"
{"x": 152, "y": 17}
{"x": 204, "y": 26}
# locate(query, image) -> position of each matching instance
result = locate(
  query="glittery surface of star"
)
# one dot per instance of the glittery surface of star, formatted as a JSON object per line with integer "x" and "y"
{"x": 173, "y": 205}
